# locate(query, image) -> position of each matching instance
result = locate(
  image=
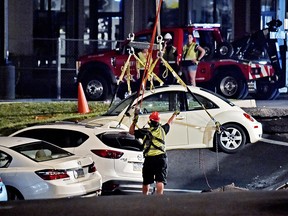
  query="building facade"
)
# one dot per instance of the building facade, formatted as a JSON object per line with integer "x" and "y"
{"x": 34, "y": 26}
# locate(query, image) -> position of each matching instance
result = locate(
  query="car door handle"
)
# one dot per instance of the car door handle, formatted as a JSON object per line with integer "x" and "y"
{"x": 179, "y": 117}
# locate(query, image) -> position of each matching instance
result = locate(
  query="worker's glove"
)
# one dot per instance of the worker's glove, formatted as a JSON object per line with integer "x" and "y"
{"x": 136, "y": 115}
{"x": 177, "y": 112}
{"x": 137, "y": 111}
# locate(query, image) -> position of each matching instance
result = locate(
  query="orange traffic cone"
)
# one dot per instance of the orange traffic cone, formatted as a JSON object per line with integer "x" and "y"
{"x": 82, "y": 102}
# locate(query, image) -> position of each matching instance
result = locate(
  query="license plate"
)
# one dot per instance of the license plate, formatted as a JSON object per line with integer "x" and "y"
{"x": 137, "y": 166}
{"x": 79, "y": 173}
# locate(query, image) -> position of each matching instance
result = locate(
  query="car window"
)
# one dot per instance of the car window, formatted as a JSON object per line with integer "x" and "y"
{"x": 163, "y": 102}
{"x": 195, "y": 102}
{"x": 206, "y": 37}
{"x": 121, "y": 140}
{"x": 41, "y": 151}
{"x": 60, "y": 137}
{"x": 117, "y": 106}
{"x": 5, "y": 159}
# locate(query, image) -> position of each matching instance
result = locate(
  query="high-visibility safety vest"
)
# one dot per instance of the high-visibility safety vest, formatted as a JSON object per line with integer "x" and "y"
{"x": 143, "y": 59}
{"x": 154, "y": 145}
{"x": 190, "y": 52}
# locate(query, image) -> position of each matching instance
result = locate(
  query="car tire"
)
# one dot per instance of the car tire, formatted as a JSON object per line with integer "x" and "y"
{"x": 224, "y": 50}
{"x": 266, "y": 91}
{"x": 231, "y": 139}
{"x": 14, "y": 194}
{"x": 245, "y": 91}
{"x": 230, "y": 86}
{"x": 209, "y": 51}
{"x": 95, "y": 88}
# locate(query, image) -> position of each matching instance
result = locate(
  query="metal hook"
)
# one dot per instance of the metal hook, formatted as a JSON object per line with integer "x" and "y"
{"x": 159, "y": 39}
{"x": 131, "y": 51}
{"x": 131, "y": 36}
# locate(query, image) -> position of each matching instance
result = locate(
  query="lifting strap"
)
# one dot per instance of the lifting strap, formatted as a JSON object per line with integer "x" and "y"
{"x": 218, "y": 126}
{"x": 150, "y": 50}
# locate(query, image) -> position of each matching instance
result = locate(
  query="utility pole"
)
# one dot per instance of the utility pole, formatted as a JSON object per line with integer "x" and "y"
{"x": 7, "y": 71}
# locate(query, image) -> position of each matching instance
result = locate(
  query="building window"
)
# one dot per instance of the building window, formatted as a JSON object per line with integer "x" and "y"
{"x": 47, "y": 5}
{"x": 170, "y": 13}
{"x": 268, "y": 12}
{"x": 109, "y": 5}
{"x": 211, "y": 11}
{"x": 104, "y": 22}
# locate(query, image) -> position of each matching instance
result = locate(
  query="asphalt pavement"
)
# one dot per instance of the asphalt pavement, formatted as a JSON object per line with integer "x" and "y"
{"x": 257, "y": 171}
{"x": 258, "y": 166}
{"x": 227, "y": 203}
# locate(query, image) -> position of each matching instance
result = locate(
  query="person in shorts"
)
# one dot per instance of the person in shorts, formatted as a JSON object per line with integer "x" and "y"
{"x": 192, "y": 54}
{"x": 155, "y": 162}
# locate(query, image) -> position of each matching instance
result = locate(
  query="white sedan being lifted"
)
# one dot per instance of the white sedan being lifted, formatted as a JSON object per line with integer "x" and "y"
{"x": 35, "y": 169}
{"x": 197, "y": 124}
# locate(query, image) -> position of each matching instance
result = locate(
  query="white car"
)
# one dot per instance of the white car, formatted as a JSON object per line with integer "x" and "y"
{"x": 194, "y": 127}
{"x": 3, "y": 191}
{"x": 35, "y": 169}
{"x": 118, "y": 155}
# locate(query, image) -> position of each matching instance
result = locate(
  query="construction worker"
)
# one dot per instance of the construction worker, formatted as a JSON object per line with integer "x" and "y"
{"x": 141, "y": 68}
{"x": 192, "y": 54}
{"x": 155, "y": 163}
{"x": 170, "y": 55}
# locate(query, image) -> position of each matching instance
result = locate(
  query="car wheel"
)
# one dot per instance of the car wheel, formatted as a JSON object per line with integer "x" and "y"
{"x": 95, "y": 88}
{"x": 224, "y": 50}
{"x": 230, "y": 86}
{"x": 231, "y": 139}
{"x": 245, "y": 91}
{"x": 14, "y": 194}
{"x": 209, "y": 51}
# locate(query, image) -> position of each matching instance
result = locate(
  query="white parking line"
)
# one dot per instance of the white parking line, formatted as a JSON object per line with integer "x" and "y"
{"x": 275, "y": 142}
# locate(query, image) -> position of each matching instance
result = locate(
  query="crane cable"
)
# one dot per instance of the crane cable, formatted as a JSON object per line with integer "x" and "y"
{"x": 149, "y": 56}
{"x": 132, "y": 17}
{"x": 148, "y": 59}
{"x": 219, "y": 127}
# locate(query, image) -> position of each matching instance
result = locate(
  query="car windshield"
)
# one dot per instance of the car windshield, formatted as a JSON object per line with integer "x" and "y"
{"x": 118, "y": 105}
{"x": 41, "y": 151}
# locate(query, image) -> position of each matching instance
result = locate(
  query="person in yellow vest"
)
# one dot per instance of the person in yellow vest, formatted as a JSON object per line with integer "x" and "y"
{"x": 192, "y": 54}
{"x": 170, "y": 54}
{"x": 155, "y": 163}
{"x": 141, "y": 68}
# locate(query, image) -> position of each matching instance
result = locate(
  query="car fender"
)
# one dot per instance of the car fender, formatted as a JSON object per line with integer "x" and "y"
{"x": 225, "y": 117}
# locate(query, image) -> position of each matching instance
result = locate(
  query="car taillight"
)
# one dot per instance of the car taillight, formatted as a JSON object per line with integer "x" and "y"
{"x": 108, "y": 153}
{"x": 92, "y": 168}
{"x": 249, "y": 117}
{"x": 52, "y": 174}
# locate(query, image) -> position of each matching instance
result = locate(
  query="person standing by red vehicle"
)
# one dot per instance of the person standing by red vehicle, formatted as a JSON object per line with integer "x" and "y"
{"x": 192, "y": 54}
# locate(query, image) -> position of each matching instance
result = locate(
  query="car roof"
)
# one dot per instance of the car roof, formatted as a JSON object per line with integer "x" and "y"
{"x": 15, "y": 141}
{"x": 164, "y": 88}
{"x": 193, "y": 89}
